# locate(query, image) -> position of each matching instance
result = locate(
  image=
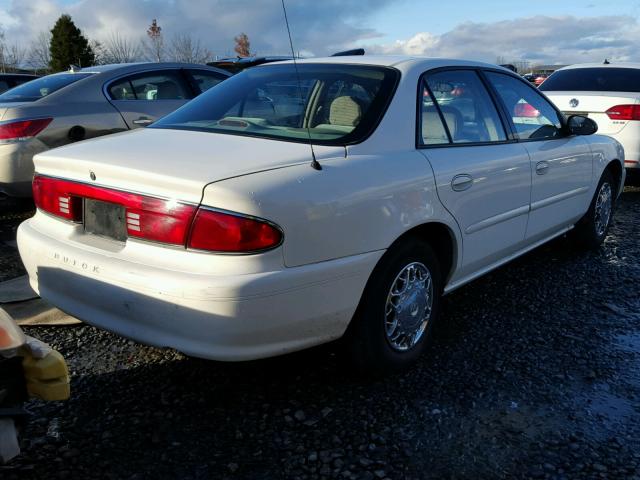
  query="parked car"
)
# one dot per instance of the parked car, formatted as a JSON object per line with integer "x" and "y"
{"x": 609, "y": 94}
{"x": 245, "y": 225}
{"x": 66, "y": 107}
{"x": 540, "y": 79}
{"x": 10, "y": 80}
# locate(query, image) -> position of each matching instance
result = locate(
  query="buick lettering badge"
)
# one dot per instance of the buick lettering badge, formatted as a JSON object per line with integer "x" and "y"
{"x": 574, "y": 102}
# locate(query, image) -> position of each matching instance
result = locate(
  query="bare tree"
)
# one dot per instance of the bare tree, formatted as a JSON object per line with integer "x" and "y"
{"x": 14, "y": 56}
{"x": 99, "y": 52}
{"x": 243, "y": 46}
{"x": 119, "y": 49}
{"x": 39, "y": 54}
{"x": 154, "y": 44}
{"x": 185, "y": 49}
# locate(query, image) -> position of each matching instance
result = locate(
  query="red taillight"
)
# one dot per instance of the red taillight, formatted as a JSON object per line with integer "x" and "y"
{"x": 224, "y": 232}
{"x": 150, "y": 218}
{"x": 51, "y": 196}
{"x": 525, "y": 110}
{"x": 23, "y": 129}
{"x": 160, "y": 220}
{"x": 624, "y": 112}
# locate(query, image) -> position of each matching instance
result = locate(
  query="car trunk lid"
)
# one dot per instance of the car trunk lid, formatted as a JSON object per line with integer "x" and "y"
{"x": 174, "y": 164}
{"x": 594, "y": 105}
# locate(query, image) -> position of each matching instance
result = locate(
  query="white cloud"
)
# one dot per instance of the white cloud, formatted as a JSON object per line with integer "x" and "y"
{"x": 539, "y": 39}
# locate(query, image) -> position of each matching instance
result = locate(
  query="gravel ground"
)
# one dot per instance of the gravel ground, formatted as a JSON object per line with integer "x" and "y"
{"x": 535, "y": 373}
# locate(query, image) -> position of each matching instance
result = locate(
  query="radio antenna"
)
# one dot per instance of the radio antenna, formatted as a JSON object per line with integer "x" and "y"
{"x": 314, "y": 163}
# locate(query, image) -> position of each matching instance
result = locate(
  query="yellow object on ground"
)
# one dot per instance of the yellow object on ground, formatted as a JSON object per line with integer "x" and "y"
{"x": 46, "y": 378}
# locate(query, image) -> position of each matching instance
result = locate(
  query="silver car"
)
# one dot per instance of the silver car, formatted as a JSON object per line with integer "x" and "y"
{"x": 84, "y": 103}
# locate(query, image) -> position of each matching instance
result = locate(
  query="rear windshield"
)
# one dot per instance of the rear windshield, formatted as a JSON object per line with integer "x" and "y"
{"x": 40, "y": 88}
{"x": 334, "y": 104}
{"x": 594, "y": 80}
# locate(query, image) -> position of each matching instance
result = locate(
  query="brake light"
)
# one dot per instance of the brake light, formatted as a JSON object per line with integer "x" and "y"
{"x": 160, "y": 220}
{"x": 51, "y": 196}
{"x": 23, "y": 129}
{"x": 225, "y": 232}
{"x": 149, "y": 218}
{"x": 624, "y": 112}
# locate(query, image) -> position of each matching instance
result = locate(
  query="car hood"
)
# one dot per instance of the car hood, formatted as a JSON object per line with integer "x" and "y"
{"x": 170, "y": 163}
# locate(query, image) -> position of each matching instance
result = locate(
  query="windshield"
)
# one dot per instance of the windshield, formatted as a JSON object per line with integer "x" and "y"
{"x": 338, "y": 104}
{"x": 593, "y": 80}
{"x": 40, "y": 88}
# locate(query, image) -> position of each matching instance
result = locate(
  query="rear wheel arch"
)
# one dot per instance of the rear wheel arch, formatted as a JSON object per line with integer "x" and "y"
{"x": 615, "y": 168}
{"x": 441, "y": 239}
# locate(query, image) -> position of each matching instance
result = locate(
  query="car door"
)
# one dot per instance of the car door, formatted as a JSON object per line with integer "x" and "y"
{"x": 483, "y": 178}
{"x": 142, "y": 98}
{"x": 561, "y": 164}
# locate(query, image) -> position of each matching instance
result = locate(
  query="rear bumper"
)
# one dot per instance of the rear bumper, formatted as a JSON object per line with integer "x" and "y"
{"x": 216, "y": 316}
{"x": 16, "y": 166}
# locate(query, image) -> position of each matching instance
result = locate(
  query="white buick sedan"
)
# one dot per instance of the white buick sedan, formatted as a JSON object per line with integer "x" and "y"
{"x": 288, "y": 207}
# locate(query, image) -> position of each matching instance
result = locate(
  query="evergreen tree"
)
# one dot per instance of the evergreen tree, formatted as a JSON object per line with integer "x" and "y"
{"x": 69, "y": 46}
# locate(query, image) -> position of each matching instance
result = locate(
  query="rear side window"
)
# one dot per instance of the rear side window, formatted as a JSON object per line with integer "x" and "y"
{"x": 150, "y": 86}
{"x": 204, "y": 80}
{"x": 466, "y": 108}
{"x": 533, "y": 117}
{"x": 594, "y": 80}
{"x": 40, "y": 88}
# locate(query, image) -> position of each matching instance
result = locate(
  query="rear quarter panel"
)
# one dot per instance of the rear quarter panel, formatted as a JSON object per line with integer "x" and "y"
{"x": 358, "y": 204}
{"x": 605, "y": 150}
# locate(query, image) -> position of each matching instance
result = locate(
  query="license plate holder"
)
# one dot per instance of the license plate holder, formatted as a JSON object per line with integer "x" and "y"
{"x": 104, "y": 219}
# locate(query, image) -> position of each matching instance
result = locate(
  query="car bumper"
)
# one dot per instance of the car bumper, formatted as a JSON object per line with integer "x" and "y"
{"x": 16, "y": 166}
{"x": 217, "y": 316}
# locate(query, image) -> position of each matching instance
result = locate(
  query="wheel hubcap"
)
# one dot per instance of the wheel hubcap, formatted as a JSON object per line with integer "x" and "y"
{"x": 408, "y": 307}
{"x": 603, "y": 209}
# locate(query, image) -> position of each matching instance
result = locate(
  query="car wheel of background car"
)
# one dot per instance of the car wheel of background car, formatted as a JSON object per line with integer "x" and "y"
{"x": 592, "y": 229}
{"x": 399, "y": 306}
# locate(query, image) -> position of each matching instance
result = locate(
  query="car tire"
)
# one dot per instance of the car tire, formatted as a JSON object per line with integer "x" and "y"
{"x": 592, "y": 229}
{"x": 374, "y": 346}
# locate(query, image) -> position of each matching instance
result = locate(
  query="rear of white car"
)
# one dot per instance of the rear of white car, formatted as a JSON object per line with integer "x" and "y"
{"x": 609, "y": 94}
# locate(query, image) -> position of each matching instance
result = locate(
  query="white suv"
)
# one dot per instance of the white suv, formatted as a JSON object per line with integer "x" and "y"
{"x": 610, "y": 95}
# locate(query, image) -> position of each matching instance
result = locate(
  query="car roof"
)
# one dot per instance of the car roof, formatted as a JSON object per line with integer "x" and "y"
{"x": 18, "y": 75}
{"x": 394, "y": 61}
{"x": 132, "y": 67}
{"x": 633, "y": 65}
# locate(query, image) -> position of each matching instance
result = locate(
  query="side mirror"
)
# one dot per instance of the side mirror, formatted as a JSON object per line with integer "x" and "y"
{"x": 579, "y": 125}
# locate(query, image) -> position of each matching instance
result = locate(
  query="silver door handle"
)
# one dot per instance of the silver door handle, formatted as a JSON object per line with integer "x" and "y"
{"x": 461, "y": 182}
{"x": 542, "y": 167}
{"x": 143, "y": 121}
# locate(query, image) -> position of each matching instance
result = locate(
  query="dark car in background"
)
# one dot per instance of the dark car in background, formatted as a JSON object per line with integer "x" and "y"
{"x": 84, "y": 103}
{"x": 235, "y": 65}
{"x": 11, "y": 80}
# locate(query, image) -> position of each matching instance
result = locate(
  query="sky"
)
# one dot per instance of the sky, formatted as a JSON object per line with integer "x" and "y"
{"x": 541, "y": 31}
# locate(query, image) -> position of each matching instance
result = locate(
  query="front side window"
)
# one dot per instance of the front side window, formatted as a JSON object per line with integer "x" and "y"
{"x": 41, "y": 87}
{"x": 332, "y": 104}
{"x": 150, "y": 86}
{"x": 465, "y": 106}
{"x": 534, "y": 118}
